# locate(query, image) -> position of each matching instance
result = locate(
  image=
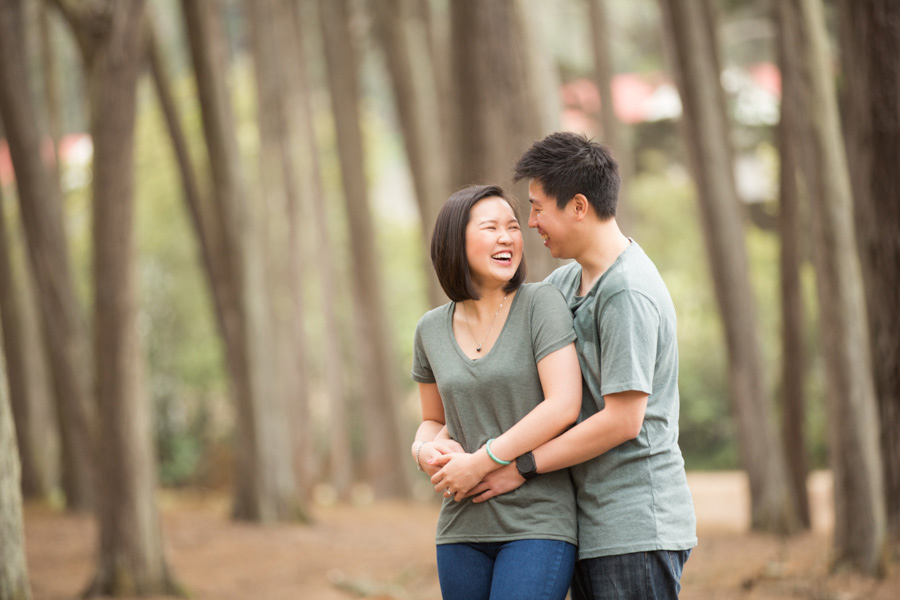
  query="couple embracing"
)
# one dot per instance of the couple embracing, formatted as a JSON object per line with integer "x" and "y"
{"x": 550, "y": 410}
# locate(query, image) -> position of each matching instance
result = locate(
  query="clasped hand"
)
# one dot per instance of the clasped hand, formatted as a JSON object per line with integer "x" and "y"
{"x": 459, "y": 472}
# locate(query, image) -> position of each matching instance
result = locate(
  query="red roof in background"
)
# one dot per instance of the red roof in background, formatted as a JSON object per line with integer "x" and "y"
{"x": 71, "y": 149}
{"x": 634, "y": 94}
{"x": 6, "y": 171}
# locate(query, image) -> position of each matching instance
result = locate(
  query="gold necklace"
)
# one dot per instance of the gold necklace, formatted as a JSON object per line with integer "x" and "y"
{"x": 472, "y": 333}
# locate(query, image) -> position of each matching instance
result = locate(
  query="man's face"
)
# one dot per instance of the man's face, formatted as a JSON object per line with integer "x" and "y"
{"x": 551, "y": 222}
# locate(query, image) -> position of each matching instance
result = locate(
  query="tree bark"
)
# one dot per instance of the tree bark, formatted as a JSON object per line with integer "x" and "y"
{"x": 335, "y": 366}
{"x": 692, "y": 47}
{"x": 50, "y": 71}
{"x": 403, "y": 34}
{"x": 272, "y": 38}
{"x": 13, "y": 569}
{"x": 870, "y": 43}
{"x": 130, "y": 558}
{"x": 20, "y": 354}
{"x": 262, "y": 490}
{"x": 41, "y": 211}
{"x": 613, "y": 130}
{"x": 860, "y": 521}
{"x": 791, "y": 234}
{"x": 384, "y": 455}
{"x": 501, "y": 103}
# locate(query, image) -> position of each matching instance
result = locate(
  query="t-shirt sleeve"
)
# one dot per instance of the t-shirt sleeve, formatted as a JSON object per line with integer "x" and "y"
{"x": 421, "y": 368}
{"x": 551, "y": 322}
{"x": 628, "y": 332}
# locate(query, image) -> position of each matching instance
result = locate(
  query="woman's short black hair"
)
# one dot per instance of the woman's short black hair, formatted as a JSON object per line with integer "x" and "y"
{"x": 448, "y": 243}
{"x": 566, "y": 164}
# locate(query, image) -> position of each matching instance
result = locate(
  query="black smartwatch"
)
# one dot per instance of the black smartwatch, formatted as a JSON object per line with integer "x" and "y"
{"x": 526, "y": 466}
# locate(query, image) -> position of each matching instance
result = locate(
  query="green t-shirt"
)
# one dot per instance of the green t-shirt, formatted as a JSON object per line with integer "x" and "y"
{"x": 635, "y": 497}
{"x": 485, "y": 397}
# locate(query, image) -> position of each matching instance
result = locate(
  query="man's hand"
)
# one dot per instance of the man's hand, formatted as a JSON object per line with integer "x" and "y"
{"x": 504, "y": 479}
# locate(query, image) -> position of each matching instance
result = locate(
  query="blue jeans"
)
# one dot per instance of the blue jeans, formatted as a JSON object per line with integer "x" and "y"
{"x": 518, "y": 570}
{"x": 637, "y": 576}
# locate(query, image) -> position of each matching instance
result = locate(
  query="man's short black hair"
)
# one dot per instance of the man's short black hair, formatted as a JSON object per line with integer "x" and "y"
{"x": 566, "y": 164}
{"x": 448, "y": 243}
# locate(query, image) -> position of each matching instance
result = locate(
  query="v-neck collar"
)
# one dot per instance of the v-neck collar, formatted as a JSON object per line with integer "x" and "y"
{"x": 465, "y": 357}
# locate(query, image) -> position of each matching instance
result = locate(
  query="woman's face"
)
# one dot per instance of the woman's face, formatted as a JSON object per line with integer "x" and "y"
{"x": 493, "y": 242}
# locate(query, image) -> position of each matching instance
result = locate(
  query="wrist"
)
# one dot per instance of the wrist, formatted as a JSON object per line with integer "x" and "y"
{"x": 485, "y": 464}
{"x": 417, "y": 453}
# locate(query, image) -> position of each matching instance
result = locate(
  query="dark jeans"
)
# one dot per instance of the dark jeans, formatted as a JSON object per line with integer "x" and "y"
{"x": 519, "y": 570}
{"x": 637, "y": 576}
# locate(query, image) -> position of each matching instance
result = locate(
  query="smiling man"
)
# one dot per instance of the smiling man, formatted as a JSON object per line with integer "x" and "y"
{"x": 636, "y": 523}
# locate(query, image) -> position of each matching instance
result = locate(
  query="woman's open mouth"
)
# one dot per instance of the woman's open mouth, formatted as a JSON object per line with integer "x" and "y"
{"x": 504, "y": 257}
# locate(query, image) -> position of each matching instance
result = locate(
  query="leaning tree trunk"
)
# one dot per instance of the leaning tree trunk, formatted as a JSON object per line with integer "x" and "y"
{"x": 130, "y": 557}
{"x": 41, "y": 211}
{"x": 860, "y": 523}
{"x": 403, "y": 33}
{"x": 262, "y": 490}
{"x": 791, "y": 234}
{"x": 13, "y": 569}
{"x": 870, "y": 45}
{"x": 688, "y": 25}
{"x": 613, "y": 131}
{"x": 501, "y": 103}
{"x": 21, "y": 352}
{"x": 384, "y": 455}
{"x": 340, "y": 452}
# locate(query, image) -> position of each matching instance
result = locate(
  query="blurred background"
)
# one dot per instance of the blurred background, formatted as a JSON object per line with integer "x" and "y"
{"x": 214, "y": 251}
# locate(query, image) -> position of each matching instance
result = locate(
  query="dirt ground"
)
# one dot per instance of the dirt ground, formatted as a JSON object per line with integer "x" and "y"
{"x": 385, "y": 551}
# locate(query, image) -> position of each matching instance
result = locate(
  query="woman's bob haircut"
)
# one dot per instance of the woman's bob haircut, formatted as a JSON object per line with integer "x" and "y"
{"x": 448, "y": 243}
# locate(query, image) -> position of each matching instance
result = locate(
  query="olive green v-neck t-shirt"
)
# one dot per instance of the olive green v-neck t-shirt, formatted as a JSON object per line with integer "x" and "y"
{"x": 635, "y": 497}
{"x": 484, "y": 398}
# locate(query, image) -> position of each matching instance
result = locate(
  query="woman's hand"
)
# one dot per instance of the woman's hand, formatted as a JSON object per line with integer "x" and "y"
{"x": 435, "y": 449}
{"x": 459, "y": 472}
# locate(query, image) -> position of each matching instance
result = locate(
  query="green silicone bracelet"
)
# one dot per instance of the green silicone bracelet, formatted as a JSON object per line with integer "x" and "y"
{"x": 491, "y": 454}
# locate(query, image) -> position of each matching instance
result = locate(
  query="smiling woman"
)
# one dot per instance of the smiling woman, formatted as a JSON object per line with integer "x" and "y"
{"x": 498, "y": 376}
{"x": 449, "y": 242}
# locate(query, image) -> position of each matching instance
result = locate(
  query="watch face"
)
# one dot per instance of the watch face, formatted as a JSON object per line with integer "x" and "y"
{"x": 525, "y": 463}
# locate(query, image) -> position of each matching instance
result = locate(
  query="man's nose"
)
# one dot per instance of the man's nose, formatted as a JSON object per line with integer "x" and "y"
{"x": 532, "y": 218}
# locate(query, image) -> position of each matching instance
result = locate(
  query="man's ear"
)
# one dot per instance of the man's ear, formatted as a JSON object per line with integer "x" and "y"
{"x": 581, "y": 206}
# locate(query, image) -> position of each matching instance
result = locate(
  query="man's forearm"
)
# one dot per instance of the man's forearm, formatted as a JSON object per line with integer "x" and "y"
{"x": 592, "y": 437}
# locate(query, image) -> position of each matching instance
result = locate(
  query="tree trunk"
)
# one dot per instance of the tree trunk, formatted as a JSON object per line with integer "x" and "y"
{"x": 52, "y": 100}
{"x": 860, "y": 522}
{"x": 613, "y": 131}
{"x": 501, "y": 103}
{"x": 201, "y": 213}
{"x": 130, "y": 557}
{"x": 21, "y": 352}
{"x": 870, "y": 43}
{"x": 272, "y": 38}
{"x": 791, "y": 234}
{"x": 13, "y": 569}
{"x": 384, "y": 455}
{"x": 693, "y": 52}
{"x": 262, "y": 490}
{"x": 340, "y": 451}
{"x": 41, "y": 211}
{"x": 403, "y": 34}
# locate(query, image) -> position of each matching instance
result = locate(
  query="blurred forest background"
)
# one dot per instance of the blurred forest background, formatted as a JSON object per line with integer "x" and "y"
{"x": 214, "y": 218}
